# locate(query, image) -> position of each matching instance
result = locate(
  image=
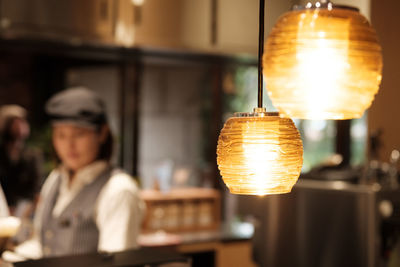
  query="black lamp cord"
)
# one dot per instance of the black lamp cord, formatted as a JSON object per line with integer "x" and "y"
{"x": 260, "y": 52}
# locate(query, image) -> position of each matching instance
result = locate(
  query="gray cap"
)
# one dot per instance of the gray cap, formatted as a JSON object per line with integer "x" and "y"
{"x": 79, "y": 106}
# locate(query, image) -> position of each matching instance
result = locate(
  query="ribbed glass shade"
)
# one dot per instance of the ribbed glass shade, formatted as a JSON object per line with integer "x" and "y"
{"x": 259, "y": 154}
{"x": 322, "y": 64}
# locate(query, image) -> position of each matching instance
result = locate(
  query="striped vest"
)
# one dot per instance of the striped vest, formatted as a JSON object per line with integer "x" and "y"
{"x": 75, "y": 230}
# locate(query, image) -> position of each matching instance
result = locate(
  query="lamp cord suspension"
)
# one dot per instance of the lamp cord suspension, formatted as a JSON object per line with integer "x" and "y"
{"x": 260, "y": 52}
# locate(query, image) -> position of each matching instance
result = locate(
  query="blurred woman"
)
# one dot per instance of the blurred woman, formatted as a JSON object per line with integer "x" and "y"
{"x": 20, "y": 167}
{"x": 86, "y": 204}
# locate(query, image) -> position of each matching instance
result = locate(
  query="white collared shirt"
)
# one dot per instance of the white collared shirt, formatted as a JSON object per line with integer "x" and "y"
{"x": 3, "y": 204}
{"x": 68, "y": 191}
{"x": 118, "y": 211}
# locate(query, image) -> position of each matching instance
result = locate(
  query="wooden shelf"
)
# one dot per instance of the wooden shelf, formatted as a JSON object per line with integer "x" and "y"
{"x": 182, "y": 210}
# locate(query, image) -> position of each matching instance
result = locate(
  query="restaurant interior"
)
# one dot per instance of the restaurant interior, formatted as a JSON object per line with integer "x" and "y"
{"x": 175, "y": 76}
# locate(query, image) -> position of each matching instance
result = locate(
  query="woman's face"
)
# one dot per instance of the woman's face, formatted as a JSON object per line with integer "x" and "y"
{"x": 76, "y": 146}
{"x": 19, "y": 129}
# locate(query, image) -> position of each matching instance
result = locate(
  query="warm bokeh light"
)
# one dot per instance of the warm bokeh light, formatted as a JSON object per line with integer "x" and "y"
{"x": 259, "y": 154}
{"x": 322, "y": 64}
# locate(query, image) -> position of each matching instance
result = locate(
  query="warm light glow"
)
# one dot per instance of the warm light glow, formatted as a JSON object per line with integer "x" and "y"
{"x": 322, "y": 64}
{"x": 138, "y": 2}
{"x": 259, "y": 154}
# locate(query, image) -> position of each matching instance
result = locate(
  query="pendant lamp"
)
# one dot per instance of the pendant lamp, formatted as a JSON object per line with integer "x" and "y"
{"x": 322, "y": 61}
{"x": 260, "y": 152}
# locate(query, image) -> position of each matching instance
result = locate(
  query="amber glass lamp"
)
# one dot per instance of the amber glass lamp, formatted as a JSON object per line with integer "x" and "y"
{"x": 322, "y": 61}
{"x": 259, "y": 153}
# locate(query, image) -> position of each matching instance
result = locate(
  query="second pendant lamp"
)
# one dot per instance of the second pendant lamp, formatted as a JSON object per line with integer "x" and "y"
{"x": 259, "y": 153}
{"x": 322, "y": 61}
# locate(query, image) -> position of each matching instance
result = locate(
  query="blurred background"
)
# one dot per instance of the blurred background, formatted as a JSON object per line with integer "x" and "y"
{"x": 171, "y": 72}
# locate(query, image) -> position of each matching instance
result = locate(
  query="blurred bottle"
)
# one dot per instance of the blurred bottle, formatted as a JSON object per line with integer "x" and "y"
{"x": 372, "y": 172}
{"x": 376, "y": 171}
{"x": 393, "y": 174}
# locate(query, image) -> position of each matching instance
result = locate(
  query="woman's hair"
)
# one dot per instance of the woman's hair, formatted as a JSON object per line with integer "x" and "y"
{"x": 106, "y": 149}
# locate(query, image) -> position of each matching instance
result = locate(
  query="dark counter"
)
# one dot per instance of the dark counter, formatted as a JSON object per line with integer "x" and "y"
{"x": 138, "y": 257}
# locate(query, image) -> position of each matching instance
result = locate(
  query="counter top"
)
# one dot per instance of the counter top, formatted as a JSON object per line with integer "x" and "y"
{"x": 228, "y": 232}
{"x": 138, "y": 257}
{"x": 336, "y": 185}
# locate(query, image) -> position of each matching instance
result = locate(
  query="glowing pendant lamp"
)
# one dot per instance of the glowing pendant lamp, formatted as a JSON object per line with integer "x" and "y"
{"x": 322, "y": 61}
{"x": 259, "y": 153}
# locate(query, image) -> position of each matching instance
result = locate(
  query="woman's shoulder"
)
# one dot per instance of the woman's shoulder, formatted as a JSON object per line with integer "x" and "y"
{"x": 119, "y": 189}
{"x": 121, "y": 181}
{"x": 50, "y": 180}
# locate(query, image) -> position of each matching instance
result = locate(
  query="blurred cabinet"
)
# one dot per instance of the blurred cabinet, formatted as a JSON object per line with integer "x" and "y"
{"x": 182, "y": 210}
{"x": 237, "y": 25}
{"x": 216, "y": 26}
{"x": 172, "y": 23}
{"x": 150, "y": 23}
{"x": 72, "y": 20}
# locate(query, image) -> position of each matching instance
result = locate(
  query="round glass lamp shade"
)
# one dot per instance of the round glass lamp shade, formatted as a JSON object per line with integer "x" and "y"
{"x": 259, "y": 154}
{"x": 322, "y": 63}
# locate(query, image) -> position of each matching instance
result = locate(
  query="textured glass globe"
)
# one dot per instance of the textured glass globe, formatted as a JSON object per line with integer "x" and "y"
{"x": 322, "y": 63}
{"x": 259, "y": 154}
